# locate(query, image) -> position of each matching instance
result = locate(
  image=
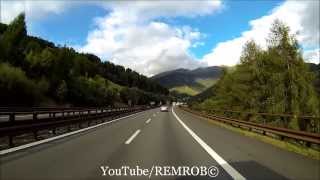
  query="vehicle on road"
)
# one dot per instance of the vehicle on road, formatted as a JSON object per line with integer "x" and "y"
{"x": 164, "y": 108}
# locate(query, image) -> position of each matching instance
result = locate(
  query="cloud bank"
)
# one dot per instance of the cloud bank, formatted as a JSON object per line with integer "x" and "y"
{"x": 135, "y": 34}
{"x": 132, "y": 35}
{"x": 301, "y": 16}
{"x": 34, "y": 9}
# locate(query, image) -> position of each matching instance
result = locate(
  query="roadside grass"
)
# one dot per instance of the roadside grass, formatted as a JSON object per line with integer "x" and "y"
{"x": 286, "y": 145}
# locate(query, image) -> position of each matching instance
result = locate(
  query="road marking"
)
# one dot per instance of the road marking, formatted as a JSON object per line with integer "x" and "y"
{"x": 224, "y": 164}
{"x": 6, "y": 151}
{"x": 148, "y": 120}
{"x": 154, "y": 115}
{"x": 133, "y": 136}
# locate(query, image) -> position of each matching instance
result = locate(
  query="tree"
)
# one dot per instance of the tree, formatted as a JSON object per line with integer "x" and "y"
{"x": 17, "y": 89}
{"x": 275, "y": 80}
{"x": 62, "y": 91}
{"x": 11, "y": 39}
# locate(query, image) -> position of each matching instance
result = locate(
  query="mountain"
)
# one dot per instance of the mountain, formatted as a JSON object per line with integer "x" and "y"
{"x": 190, "y": 82}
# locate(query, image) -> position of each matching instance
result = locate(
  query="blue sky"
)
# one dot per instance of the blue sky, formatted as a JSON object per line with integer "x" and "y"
{"x": 155, "y": 36}
{"x": 227, "y": 24}
{"x": 71, "y": 27}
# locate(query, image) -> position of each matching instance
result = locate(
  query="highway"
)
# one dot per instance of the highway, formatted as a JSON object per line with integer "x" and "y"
{"x": 156, "y": 139}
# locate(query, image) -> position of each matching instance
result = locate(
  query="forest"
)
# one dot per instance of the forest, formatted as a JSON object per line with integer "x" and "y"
{"x": 35, "y": 72}
{"x": 273, "y": 80}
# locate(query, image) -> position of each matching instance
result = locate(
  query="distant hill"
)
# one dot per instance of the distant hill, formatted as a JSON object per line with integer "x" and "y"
{"x": 190, "y": 82}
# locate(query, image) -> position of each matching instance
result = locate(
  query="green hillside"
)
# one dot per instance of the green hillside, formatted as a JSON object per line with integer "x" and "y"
{"x": 189, "y": 82}
{"x": 35, "y": 72}
{"x": 194, "y": 89}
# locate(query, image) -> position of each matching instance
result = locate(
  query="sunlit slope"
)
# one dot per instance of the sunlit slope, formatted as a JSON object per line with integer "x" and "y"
{"x": 194, "y": 89}
{"x": 190, "y": 82}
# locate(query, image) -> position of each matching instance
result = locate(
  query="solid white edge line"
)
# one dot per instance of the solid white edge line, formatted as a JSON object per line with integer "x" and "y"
{"x": 6, "y": 151}
{"x": 227, "y": 167}
{"x": 132, "y": 136}
{"x": 148, "y": 120}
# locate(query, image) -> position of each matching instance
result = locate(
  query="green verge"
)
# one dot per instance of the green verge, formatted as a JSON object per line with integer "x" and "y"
{"x": 299, "y": 149}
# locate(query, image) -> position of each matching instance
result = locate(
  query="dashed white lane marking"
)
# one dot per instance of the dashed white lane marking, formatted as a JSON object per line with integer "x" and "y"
{"x": 132, "y": 137}
{"x": 148, "y": 120}
{"x": 6, "y": 151}
{"x": 224, "y": 164}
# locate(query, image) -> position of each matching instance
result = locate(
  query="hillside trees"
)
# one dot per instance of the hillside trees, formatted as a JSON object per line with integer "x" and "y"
{"x": 11, "y": 41}
{"x": 275, "y": 80}
{"x": 17, "y": 89}
{"x": 60, "y": 74}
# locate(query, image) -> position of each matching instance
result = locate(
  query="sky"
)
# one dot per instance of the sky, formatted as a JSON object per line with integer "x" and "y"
{"x": 156, "y": 36}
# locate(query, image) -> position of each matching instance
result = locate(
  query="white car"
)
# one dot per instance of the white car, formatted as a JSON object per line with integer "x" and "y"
{"x": 163, "y": 108}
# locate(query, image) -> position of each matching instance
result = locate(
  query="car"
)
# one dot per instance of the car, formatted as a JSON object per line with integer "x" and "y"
{"x": 164, "y": 108}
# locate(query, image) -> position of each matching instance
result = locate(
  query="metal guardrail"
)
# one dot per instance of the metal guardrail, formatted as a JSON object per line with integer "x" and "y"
{"x": 307, "y": 137}
{"x": 308, "y": 123}
{"x": 17, "y": 121}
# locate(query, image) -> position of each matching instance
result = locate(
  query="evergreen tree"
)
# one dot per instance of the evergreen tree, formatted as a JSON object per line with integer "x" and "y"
{"x": 275, "y": 80}
{"x": 11, "y": 39}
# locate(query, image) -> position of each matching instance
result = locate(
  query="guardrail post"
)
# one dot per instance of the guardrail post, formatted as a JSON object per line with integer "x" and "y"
{"x": 35, "y": 116}
{"x": 11, "y": 141}
{"x": 54, "y": 131}
{"x": 283, "y": 121}
{"x": 11, "y": 117}
{"x": 308, "y": 144}
{"x": 35, "y": 135}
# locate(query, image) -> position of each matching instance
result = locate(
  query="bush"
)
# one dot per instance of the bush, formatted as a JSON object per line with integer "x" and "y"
{"x": 17, "y": 89}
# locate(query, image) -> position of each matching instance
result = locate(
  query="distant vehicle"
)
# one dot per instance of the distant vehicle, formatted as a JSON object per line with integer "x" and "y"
{"x": 164, "y": 108}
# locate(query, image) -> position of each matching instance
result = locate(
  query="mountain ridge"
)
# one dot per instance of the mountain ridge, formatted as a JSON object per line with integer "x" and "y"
{"x": 187, "y": 81}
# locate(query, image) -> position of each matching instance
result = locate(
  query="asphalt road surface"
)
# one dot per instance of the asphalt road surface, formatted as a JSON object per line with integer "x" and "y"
{"x": 157, "y": 142}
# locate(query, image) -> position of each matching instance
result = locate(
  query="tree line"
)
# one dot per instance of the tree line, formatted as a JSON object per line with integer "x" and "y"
{"x": 34, "y": 71}
{"x": 272, "y": 80}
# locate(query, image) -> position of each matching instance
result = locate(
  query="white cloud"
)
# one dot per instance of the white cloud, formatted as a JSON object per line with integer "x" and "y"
{"x": 173, "y": 8}
{"x": 132, "y": 35}
{"x": 312, "y": 56}
{"x": 300, "y": 16}
{"x": 33, "y": 9}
